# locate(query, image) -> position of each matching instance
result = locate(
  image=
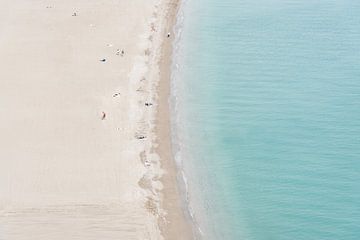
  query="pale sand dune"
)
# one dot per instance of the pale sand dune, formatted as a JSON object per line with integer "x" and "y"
{"x": 64, "y": 172}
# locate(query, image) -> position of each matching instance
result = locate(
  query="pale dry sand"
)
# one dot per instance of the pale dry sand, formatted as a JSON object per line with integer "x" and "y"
{"x": 66, "y": 173}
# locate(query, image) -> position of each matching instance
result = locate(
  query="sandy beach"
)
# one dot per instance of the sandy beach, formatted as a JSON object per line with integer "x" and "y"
{"x": 85, "y": 136}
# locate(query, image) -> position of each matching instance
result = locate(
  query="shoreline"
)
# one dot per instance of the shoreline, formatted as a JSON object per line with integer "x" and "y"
{"x": 177, "y": 226}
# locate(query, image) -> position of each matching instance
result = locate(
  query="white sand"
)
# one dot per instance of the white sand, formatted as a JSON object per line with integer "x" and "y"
{"x": 64, "y": 172}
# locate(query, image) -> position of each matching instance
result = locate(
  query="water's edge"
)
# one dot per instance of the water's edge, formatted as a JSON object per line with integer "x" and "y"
{"x": 174, "y": 114}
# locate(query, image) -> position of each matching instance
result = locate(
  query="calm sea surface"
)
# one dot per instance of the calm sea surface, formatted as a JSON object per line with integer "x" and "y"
{"x": 266, "y": 97}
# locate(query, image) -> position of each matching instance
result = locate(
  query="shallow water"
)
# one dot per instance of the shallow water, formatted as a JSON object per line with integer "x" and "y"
{"x": 266, "y": 117}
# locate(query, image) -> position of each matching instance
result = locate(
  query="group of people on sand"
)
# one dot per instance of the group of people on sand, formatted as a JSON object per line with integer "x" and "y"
{"x": 121, "y": 53}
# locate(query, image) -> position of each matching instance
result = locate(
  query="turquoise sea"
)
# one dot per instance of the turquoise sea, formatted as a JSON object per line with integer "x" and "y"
{"x": 266, "y": 118}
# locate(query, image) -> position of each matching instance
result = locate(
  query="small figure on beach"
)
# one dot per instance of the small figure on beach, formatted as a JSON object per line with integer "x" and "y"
{"x": 153, "y": 29}
{"x": 74, "y": 14}
{"x": 103, "y": 116}
{"x": 116, "y": 94}
{"x": 148, "y": 104}
{"x": 103, "y": 60}
{"x": 139, "y": 136}
{"x": 121, "y": 53}
{"x": 168, "y": 35}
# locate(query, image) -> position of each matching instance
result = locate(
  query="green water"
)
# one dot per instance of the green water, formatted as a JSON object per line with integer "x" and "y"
{"x": 267, "y": 118}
